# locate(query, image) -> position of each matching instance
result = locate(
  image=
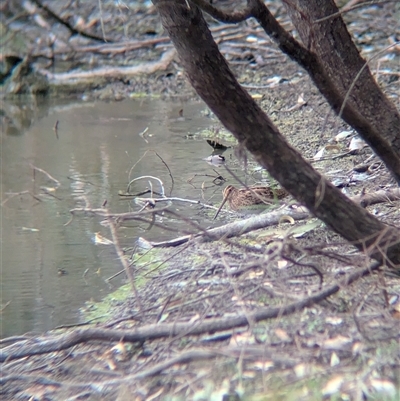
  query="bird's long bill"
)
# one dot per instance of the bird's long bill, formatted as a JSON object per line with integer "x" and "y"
{"x": 222, "y": 205}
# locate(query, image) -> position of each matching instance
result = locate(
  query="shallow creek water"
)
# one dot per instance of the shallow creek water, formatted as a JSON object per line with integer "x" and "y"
{"x": 50, "y": 268}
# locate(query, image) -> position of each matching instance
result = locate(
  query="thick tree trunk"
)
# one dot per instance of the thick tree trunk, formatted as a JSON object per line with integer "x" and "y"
{"x": 333, "y": 62}
{"x": 211, "y": 77}
{"x": 367, "y": 109}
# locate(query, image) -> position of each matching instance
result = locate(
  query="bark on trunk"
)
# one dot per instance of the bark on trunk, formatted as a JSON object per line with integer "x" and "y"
{"x": 368, "y": 110}
{"x": 211, "y": 77}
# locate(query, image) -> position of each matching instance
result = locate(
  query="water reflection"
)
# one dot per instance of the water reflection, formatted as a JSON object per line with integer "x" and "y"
{"x": 49, "y": 268}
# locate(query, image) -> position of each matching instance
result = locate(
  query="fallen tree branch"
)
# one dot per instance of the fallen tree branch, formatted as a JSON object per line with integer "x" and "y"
{"x": 233, "y": 229}
{"x": 199, "y": 354}
{"x": 154, "y": 331}
{"x": 267, "y": 219}
{"x": 123, "y": 47}
{"x": 73, "y": 30}
{"x": 377, "y": 197}
{"x": 116, "y": 48}
{"x": 76, "y": 76}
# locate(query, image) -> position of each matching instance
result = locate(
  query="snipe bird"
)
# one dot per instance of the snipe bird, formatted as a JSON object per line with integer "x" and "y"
{"x": 250, "y": 199}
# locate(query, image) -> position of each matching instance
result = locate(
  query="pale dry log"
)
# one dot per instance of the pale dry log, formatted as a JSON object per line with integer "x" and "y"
{"x": 78, "y": 76}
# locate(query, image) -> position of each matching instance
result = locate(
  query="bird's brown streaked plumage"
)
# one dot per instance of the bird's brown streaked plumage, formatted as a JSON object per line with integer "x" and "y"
{"x": 251, "y": 198}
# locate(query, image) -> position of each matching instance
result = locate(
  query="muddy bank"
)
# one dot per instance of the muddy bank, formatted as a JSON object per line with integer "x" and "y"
{"x": 286, "y": 312}
{"x": 208, "y": 321}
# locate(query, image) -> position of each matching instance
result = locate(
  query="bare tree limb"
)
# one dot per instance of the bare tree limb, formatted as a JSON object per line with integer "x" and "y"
{"x": 234, "y": 17}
